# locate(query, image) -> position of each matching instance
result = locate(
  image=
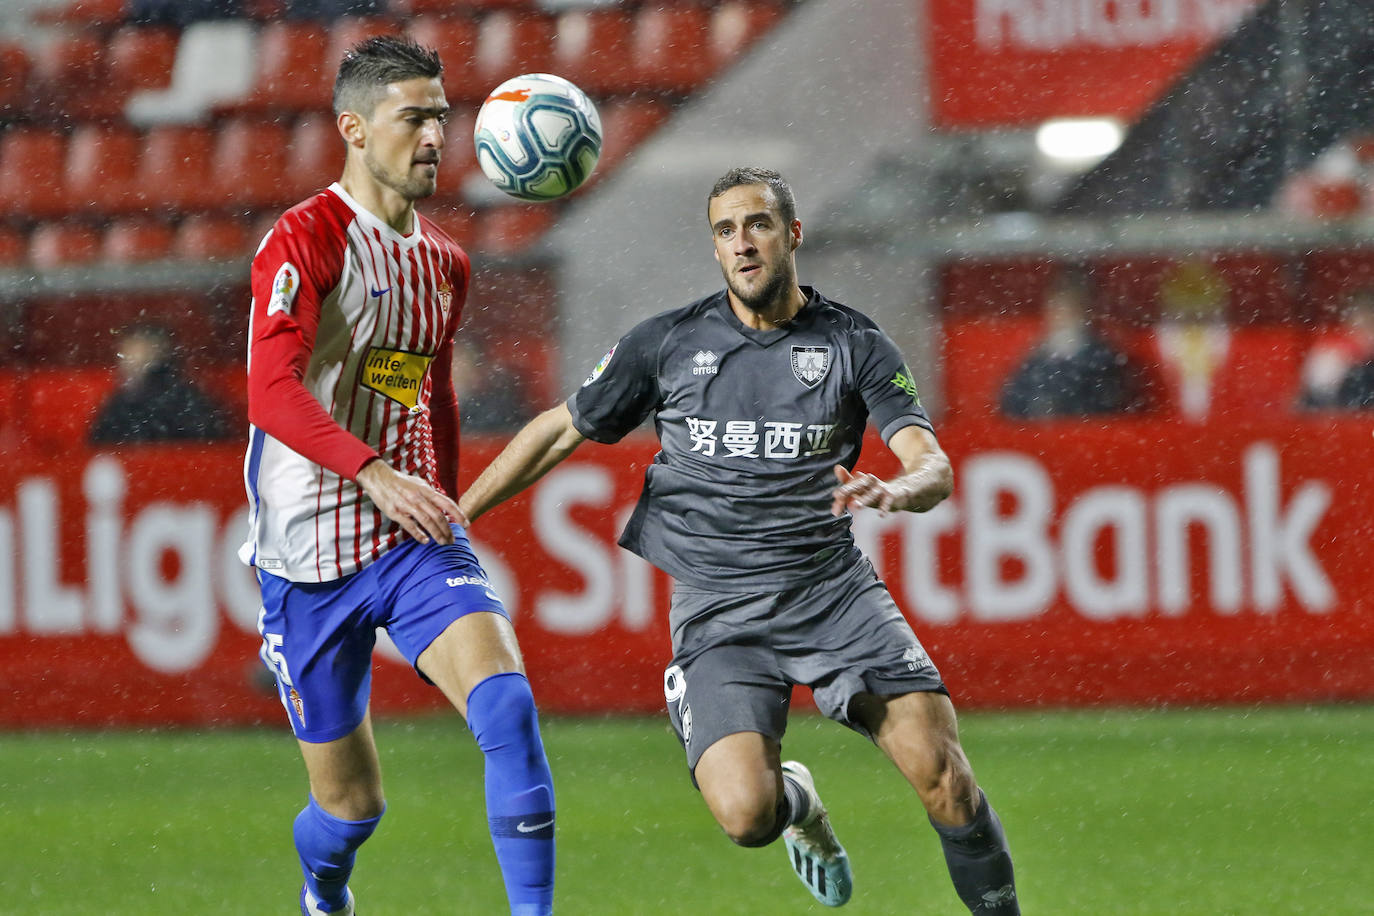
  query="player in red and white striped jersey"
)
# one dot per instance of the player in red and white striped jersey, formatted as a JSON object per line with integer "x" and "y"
{"x": 353, "y": 451}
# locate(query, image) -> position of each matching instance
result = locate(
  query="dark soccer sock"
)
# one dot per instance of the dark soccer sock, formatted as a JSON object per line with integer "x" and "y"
{"x": 798, "y": 802}
{"x": 980, "y": 863}
{"x": 520, "y": 808}
{"x": 327, "y": 846}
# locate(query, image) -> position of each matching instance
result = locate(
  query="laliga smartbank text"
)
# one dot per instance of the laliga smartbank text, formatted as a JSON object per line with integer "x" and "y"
{"x": 165, "y": 575}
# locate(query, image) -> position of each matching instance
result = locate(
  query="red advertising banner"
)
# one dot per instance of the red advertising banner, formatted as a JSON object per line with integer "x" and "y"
{"x": 1126, "y": 562}
{"x": 998, "y": 63}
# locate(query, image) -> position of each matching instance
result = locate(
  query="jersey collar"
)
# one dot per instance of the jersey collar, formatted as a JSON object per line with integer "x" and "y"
{"x": 372, "y": 221}
{"x": 803, "y": 318}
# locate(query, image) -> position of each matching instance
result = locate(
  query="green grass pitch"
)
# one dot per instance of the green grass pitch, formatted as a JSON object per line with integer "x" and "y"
{"x": 1255, "y": 810}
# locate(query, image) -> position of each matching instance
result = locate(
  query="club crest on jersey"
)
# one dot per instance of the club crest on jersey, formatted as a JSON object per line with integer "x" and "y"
{"x": 810, "y": 364}
{"x": 600, "y": 367}
{"x": 396, "y": 374}
{"x": 285, "y": 285}
{"x": 445, "y": 296}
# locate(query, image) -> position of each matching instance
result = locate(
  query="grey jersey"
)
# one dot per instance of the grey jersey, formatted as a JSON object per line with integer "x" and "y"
{"x": 750, "y": 424}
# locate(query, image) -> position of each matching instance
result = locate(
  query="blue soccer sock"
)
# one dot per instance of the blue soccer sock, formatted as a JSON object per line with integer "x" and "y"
{"x": 520, "y": 808}
{"x": 327, "y": 846}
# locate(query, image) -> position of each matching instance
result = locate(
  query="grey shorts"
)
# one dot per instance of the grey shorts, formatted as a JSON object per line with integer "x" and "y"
{"x": 737, "y": 655}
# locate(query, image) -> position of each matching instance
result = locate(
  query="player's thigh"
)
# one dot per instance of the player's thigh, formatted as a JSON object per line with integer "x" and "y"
{"x": 723, "y": 691}
{"x": 471, "y": 649}
{"x": 345, "y": 774}
{"x": 919, "y": 733}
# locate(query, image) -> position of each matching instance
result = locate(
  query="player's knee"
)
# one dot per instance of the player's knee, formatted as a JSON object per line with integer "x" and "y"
{"x": 350, "y": 801}
{"x": 753, "y": 821}
{"x": 502, "y": 714}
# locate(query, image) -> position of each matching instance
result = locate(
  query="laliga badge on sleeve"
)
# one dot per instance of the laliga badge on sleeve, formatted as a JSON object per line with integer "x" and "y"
{"x": 600, "y": 367}
{"x": 285, "y": 285}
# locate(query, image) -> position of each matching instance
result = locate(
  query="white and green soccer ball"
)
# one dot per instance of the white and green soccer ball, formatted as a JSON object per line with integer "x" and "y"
{"x": 538, "y": 137}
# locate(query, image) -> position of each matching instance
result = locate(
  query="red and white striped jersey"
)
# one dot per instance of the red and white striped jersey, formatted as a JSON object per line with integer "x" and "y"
{"x": 349, "y": 358}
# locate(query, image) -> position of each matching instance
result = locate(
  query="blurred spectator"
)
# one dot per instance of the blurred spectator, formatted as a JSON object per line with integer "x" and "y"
{"x": 1073, "y": 371}
{"x": 329, "y": 10}
{"x": 1192, "y": 339}
{"x": 1340, "y": 353}
{"x": 181, "y": 12}
{"x": 1357, "y": 388}
{"x": 491, "y": 398}
{"x": 155, "y": 401}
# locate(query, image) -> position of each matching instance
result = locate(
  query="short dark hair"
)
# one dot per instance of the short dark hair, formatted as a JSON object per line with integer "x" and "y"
{"x": 373, "y": 64}
{"x": 782, "y": 191}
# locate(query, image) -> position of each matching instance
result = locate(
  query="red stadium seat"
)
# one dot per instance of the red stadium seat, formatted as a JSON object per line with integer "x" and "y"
{"x": 456, "y": 42}
{"x": 14, "y": 247}
{"x": 314, "y": 155}
{"x": 453, "y": 7}
{"x": 347, "y": 31}
{"x": 31, "y": 179}
{"x": 61, "y": 244}
{"x": 102, "y": 168}
{"x": 514, "y": 42}
{"x": 737, "y": 24}
{"x": 174, "y": 171}
{"x": 594, "y": 49}
{"x": 15, "y": 67}
{"x": 460, "y": 223}
{"x": 512, "y": 228}
{"x": 460, "y": 156}
{"x": 84, "y": 12}
{"x": 625, "y": 123}
{"x": 210, "y": 237}
{"x": 250, "y": 163}
{"x": 136, "y": 239}
{"x": 141, "y": 57}
{"x": 292, "y": 73}
{"x": 71, "y": 79}
{"x": 671, "y": 44}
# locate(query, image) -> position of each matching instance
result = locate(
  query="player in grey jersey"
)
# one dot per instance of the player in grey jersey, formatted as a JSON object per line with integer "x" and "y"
{"x": 760, "y": 395}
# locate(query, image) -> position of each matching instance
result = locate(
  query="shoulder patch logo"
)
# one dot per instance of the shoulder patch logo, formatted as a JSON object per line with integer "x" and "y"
{"x": 600, "y": 367}
{"x": 904, "y": 381}
{"x": 285, "y": 285}
{"x": 810, "y": 364}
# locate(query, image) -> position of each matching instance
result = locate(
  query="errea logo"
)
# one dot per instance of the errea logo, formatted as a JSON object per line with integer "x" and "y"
{"x": 704, "y": 363}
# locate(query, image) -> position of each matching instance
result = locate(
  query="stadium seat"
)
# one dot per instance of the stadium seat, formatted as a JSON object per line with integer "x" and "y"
{"x": 453, "y": 7}
{"x": 511, "y": 228}
{"x": 62, "y": 244}
{"x": 459, "y": 223}
{"x": 84, "y": 12}
{"x": 102, "y": 168}
{"x": 211, "y": 237}
{"x": 214, "y": 65}
{"x": 71, "y": 80}
{"x": 141, "y": 57}
{"x": 593, "y": 48}
{"x": 347, "y": 31}
{"x": 31, "y": 179}
{"x": 174, "y": 171}
{"x": 625, "y": 123}
{"x": 672, "y": 48}
{"x": 513, "y": 42}
{"x": 15, "y": 67}
{"x": 14, "y": 247}
{"x": 459, "y": 160}
{"x": 291, "y": 74}
{"x": 737, "y": 24}
{"x": 135, "y": 239}
{"x": 314, "y": 155}
{"x": 456, "y": 41}
{"x": 249, "y": 163}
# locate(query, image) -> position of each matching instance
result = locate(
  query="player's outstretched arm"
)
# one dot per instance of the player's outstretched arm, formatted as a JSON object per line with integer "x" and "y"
{"x": 536, "y": 449}
{"x": 409, "y": 501}
{"x": 926, "y": 479}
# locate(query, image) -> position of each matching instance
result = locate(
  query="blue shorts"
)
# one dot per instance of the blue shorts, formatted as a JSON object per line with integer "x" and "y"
{"x": 317, "y": 637}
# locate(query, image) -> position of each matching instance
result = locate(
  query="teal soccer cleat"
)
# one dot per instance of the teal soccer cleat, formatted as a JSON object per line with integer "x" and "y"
{"x": 815, "y": 855}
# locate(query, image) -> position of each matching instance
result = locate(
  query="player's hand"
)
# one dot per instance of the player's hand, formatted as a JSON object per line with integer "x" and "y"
{"x": 412, "y": 503}
{"x": 858, "y": 490}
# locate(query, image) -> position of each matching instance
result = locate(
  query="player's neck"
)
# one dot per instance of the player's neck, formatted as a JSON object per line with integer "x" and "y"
{"x": 382, "y": 202}
{"x": 776, "y": 315}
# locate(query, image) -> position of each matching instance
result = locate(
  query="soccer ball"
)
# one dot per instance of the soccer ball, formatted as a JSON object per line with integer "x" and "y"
{"x": 538, "y": 137}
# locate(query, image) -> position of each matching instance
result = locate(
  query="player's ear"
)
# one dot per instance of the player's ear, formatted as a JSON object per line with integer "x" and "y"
{"x": 352, "y": 128}
{"x": 796, "y": 234}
